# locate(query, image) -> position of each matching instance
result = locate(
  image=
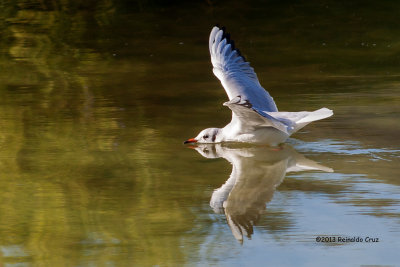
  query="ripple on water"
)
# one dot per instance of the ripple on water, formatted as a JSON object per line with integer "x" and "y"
{"x": 343, "y": 147}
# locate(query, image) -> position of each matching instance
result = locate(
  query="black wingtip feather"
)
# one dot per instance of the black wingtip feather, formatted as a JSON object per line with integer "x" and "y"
{"x": 227, "y": 36}
{"x": 233, "y": 45}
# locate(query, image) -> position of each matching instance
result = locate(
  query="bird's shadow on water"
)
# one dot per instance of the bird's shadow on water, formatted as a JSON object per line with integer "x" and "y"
{"x": 256, "y": 173}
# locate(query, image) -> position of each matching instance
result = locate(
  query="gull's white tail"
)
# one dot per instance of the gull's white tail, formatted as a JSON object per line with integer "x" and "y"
{"x": 313, "y": 116}
{"x": 297, "y": 120}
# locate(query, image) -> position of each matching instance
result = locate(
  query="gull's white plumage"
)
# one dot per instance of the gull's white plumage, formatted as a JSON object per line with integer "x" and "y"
{"x": 236, "y": 75}
{"x": 255, "y": 117}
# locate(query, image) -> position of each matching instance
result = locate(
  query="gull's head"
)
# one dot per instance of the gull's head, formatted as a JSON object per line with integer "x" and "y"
{"x": 207, "y": 136}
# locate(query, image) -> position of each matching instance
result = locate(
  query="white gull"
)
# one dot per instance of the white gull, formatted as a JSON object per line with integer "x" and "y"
{"x": 255, "y": 117}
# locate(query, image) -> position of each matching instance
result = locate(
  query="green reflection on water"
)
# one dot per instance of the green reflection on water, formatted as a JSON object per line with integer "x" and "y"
{"x": 91, "y": 101}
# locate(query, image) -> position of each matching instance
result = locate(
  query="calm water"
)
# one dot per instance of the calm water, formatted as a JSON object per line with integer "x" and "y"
{"x": 96, "y": 99}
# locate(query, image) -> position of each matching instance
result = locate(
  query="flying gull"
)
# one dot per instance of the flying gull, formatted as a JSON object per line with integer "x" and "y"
{"x": 255, "y": 117}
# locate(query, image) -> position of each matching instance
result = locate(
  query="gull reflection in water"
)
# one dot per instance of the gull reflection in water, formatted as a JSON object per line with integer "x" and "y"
{"x": 256, "y": 172}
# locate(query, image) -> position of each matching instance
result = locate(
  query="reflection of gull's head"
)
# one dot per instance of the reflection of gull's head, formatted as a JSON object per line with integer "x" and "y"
{"x": 256, "y": 172}
{"x": 208, "y": 150}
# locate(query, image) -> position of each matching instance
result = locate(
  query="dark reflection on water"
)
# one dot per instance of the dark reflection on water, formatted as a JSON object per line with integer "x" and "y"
{"x": 96, "y": 97}
{"x": 256, "y": 173}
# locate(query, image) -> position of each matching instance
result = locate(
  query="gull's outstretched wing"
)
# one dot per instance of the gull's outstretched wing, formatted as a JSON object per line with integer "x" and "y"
{"x": 235, "y": 73}
{"x": 251, "y": 116}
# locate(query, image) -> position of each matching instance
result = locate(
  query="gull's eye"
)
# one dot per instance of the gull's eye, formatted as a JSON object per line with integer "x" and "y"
{"x": 205, "y": 136}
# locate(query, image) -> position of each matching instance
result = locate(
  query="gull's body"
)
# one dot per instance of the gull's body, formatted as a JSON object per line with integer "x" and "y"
{"x": 255, "y": 117}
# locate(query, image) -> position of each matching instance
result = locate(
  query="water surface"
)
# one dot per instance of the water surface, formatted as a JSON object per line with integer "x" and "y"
{"x": 95, "y": 101}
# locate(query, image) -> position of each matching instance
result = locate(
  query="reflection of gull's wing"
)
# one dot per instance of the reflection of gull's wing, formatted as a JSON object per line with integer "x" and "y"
{"x": 256, "y": 172}
{"x": 235, "y": 73}
{"x": 255, "y": 185}
{"x": 217, "y": 151}
{"x": 221, "y": 194}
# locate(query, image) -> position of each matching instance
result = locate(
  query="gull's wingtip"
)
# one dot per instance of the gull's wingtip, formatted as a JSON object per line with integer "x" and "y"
{"x": 219, "y": 27}
{"x": 225, "y": 35}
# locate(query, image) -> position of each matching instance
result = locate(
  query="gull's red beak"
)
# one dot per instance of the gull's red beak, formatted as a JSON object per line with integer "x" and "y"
{"x": 191, "y": 140}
